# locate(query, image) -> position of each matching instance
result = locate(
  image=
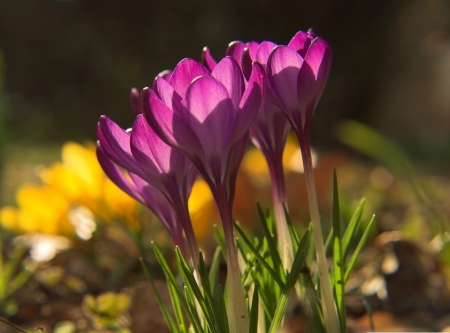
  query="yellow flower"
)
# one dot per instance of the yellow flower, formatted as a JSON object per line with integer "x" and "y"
{"x": 41, "y": 210}
{"x": 81, "y": 180}
{"x": 76, "y": 182}
{"x": 203, "y": 212}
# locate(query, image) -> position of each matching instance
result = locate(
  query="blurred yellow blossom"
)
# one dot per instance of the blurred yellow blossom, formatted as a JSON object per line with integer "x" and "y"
{"x": 203, "y": 212}
{"x": 75, "y": 192}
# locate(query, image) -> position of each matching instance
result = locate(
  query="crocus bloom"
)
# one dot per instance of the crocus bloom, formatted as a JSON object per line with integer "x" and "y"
{"x": 268, "y": 132}
{"x": 296, "y": 75}
{"x": 159, "y": 177}
{"x": 206, "y": 116}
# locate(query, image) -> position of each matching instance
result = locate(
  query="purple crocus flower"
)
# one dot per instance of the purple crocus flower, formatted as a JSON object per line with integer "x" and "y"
{"x": 159, "y": 177}
{"x": 296, "y": 75}
{"x": 206, "y": 115}
{"x": 268, "y": 132}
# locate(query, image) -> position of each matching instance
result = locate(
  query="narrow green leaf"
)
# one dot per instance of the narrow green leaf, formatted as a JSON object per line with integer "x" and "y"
{"x": 376, "y": 146}
{"x": 222, "y": 309}
{"x": 164, "y": 309}
{"x": 338, "y": 268}
{"x": 312, "y": 305}
{"x": 209, "y": 297}
{"x": 220, "y": 239}
{"x": 176, "y": 294}
{"x": 292, "y": 231}
{"x": 352, "y": 261}
{"x": 291, "y": 280}
{"x": 254, "y": 311}
{"x": 279, "y": 314}
{"x": 214, "y": 270}
{"x": 260, "y": 259}
{"x": 271, "y": 241}
{"x": 192, "y": 287}
{"x": 193, "y": 311}
{"x": 351, "y": 228}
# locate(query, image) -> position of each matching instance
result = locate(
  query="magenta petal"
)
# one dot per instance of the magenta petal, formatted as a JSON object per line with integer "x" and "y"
{"x": 301, "y": 42}
{"x": 283, "y": 68}
{"x": 250, "y": 103}
{"x": 157, "y": 202}
{"x": 269, "y": 131}
{"x": 167, "y": 94}
{"x": 184, "y": 73}
{"x": 210, "y": 113}
{"x": 262, "y": 54}
{"x": 252, "y": 48}
{"x": 117, "y": 176}
{"x": 115, "y": 143}
{"x": 172, "y": 129}
{"x": 150, "y": 152}
{"x": 228, "y": 72}
{"x": 235, "y": 50}
{"x": 313, "y": 76}
{"x": 135, "y": 101}
{"x": 247, "y": 64}
{"x": 207, "y": 60}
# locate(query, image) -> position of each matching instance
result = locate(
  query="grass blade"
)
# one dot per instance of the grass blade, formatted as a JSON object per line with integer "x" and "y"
{"x": 352, "y": 261}
{"x": 338, "y": 259}
{"x": 173, "y": 327}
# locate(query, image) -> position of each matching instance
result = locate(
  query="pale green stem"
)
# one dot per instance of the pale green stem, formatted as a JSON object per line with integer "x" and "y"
{"x": 238, "y": 317}
{"x": 326, "y": 293}
{"x": 279, "y": 199}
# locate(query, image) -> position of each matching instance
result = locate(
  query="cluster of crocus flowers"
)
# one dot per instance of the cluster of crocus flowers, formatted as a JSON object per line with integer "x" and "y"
{"x": 206, "y": 113}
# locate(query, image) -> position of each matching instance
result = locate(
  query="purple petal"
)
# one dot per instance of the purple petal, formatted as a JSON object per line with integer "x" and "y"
{"x": 236, "y": 155}
{"x": 167, "y": 94}
{"x": 135, "y": 100}
{"x": 184, "y": 73}
{"x": 263, "y": 52}
{"x": 235, "y": 50}
{"x": 247, "y": 64}
{"x": 301, "y": 42}
{"x": 169, "y": 126}
{"x": 210, "y": 113}
{"x": 229, "y": 74}
{"x": 115, "y": 143}
{"x": 252, "y": 48}
{"x": 149, "y": 151}
{"x": 157, "y": 202}
{"x": 269, "y": 130}
{"x": 207, "y": 60}
{"x": 313, "y": 76}
{"x": 117, "y": 176}
{"x": 250, "y": 103}
{"x": 165, "y": 75}
{"x": 283, "y": 68}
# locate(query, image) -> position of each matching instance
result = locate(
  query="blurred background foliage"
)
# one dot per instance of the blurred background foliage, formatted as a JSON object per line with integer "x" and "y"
{"x": 67, "y": 62}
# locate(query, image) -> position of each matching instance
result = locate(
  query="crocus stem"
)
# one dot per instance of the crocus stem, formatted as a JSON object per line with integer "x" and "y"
{"x": 192, "y": 245}
{"x": 238, "y": 318}
{"x": 279, "y": 199}
{"x": 326, "y": 293}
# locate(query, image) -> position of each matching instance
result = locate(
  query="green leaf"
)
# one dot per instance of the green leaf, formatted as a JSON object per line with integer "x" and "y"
{"x": 176, "y": 294}
{"x": 352, "y": 261}
{"x": 291, "y": 280}
{"x": 352, "y": 227}
{"x": 262, "y": 261}
{"x": 164, "y": 309}
{"x": 338, "y": 259}
{"x": 271, "y": 241}
{"x": 254, "y": 311}
{"x": 373, "y": 144}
